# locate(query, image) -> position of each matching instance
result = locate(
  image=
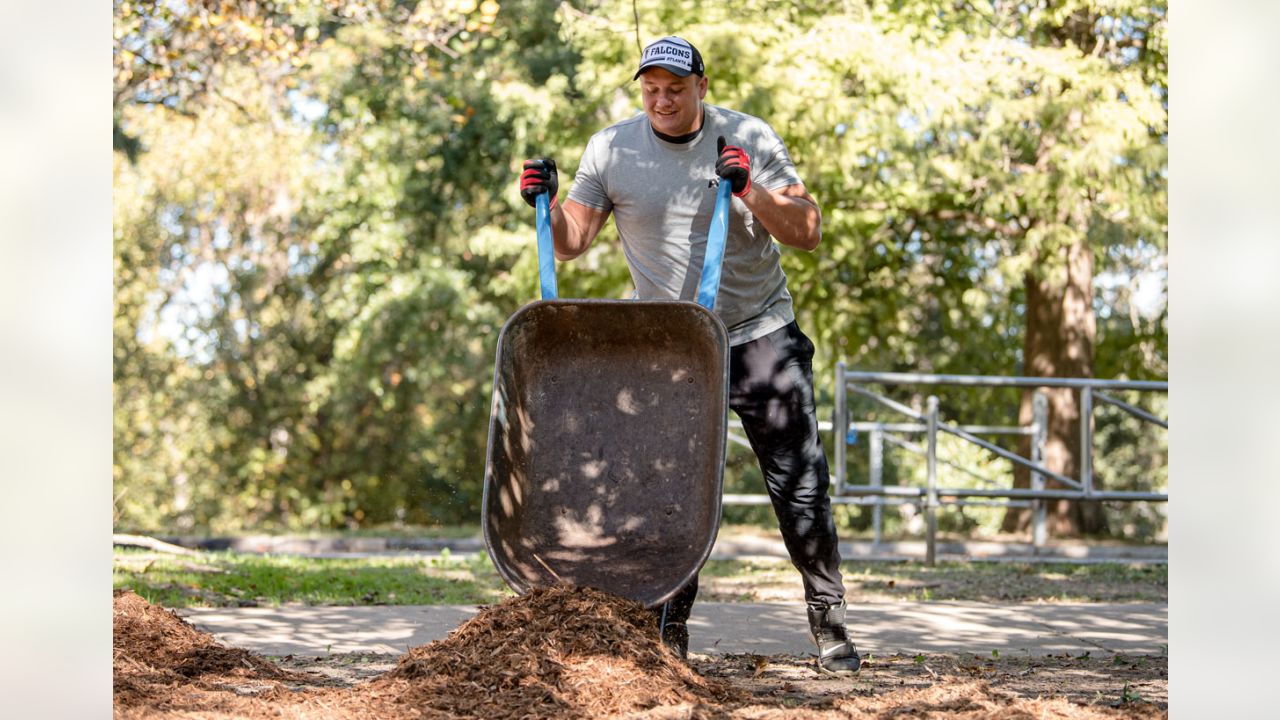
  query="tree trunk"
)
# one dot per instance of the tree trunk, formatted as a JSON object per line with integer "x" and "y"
{"x": 1058, "y": 342}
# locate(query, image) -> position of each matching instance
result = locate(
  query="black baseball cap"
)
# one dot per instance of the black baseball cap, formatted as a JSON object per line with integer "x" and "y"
{"x": 673, "y": 54}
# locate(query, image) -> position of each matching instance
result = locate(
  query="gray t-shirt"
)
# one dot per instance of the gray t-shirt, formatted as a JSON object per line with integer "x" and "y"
{"x": 662, "y": 200}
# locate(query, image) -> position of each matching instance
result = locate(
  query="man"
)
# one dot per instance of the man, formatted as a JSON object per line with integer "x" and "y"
{"x": 652, "y": 174}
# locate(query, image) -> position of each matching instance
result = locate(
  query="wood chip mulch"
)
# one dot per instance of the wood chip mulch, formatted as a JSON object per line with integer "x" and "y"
{"x": 556, "y": 652}
{"x": 559, "y": 652}
{"x": 161, "y": 664}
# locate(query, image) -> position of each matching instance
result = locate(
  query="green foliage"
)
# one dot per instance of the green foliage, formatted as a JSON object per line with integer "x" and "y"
{"x": 317, "y": 234}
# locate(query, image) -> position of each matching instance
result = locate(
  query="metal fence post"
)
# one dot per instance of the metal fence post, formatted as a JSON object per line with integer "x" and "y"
{"x": 1086, "y": 439}
{"x": 876, "y": 463}
{"x": 931, "y": 498}
{"x": 840, "y": 427}
{"x": 1039, "y": 434}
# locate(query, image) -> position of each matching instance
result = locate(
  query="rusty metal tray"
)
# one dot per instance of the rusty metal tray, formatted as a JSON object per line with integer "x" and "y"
{"x": 605, "y": 458}
{"x": 606, "y": 445}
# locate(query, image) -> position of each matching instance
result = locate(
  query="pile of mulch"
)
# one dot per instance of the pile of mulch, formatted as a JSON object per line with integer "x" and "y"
{"x": 555, "y": 653}
{"x": 161, "y": 664}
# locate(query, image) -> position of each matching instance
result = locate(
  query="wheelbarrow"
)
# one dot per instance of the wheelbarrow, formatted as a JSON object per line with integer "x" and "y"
{"x": 607, "y": 434}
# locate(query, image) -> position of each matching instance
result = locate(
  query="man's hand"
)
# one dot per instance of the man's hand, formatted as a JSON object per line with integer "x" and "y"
{"x": 734, "y": 165}
{"x": 539, "y": 176}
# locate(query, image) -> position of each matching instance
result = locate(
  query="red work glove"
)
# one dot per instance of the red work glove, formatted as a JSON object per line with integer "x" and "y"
{"x": 734, "y": 165}
{"x": 539, "y": 176}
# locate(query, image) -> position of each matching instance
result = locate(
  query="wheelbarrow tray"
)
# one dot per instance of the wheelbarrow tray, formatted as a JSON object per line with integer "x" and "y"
{"x": 606, "y": 445}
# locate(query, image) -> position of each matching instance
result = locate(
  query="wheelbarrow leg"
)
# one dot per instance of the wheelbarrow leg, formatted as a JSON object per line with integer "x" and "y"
{"x": 673, "y": 617}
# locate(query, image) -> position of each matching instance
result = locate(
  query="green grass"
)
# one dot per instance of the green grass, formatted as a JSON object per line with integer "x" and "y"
{"x": 747, "y": 581}
{"x": 227, "y": 579}
{"x": 222, "y": 579}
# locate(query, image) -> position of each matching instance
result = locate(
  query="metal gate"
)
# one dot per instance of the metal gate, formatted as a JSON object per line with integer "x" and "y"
{"x": 928, "y": 423}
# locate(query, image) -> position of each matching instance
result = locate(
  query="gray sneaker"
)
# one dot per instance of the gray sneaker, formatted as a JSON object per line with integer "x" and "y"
{"x": 837, "y": 655}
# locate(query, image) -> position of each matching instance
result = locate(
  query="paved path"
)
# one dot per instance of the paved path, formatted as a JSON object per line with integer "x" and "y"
{"x": 762, "y": 628}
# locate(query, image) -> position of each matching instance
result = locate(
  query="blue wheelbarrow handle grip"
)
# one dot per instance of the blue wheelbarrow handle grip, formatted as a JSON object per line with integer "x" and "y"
{"x": 710, "y": 284}
{"x": 546, "y": 247}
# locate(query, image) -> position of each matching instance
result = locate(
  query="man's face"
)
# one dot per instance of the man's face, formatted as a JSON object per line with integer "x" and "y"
{"x": 673, "y": 104}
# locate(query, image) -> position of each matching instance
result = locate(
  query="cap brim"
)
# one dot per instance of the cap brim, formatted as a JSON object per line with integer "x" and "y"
{"x": 674, "y": 70}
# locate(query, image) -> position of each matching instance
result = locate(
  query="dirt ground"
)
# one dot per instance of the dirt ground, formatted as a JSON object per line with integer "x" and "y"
{"x": 569, "y": 652}
{"x": 789, "y": 681}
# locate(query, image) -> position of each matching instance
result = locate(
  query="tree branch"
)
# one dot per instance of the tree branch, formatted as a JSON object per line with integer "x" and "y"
{"x": 995, "y": 26}
{"x": 150, "y": 543}
{"x": 236, "y": 104}
{"x": 636, "y": 14}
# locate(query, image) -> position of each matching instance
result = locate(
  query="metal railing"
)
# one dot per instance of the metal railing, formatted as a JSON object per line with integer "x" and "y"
{"x": 932, "y": 496}
{"x": 929, "y": 498}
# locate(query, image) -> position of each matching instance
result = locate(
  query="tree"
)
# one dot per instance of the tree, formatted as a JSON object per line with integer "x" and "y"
{"x": 332, "y": 343}
{"x": 319, "y": 236}
{"x": 990, "y": 150}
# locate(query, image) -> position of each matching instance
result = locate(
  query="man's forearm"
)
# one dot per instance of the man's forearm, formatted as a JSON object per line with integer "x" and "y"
{"x": 561, "y": 236}
{"x": 792, "y": 218}
{"x": 565, "y": 238}
{"x": 573, "y": 227}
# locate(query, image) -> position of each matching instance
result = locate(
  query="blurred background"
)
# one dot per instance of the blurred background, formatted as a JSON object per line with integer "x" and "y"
{"x": 317, "y": 234}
